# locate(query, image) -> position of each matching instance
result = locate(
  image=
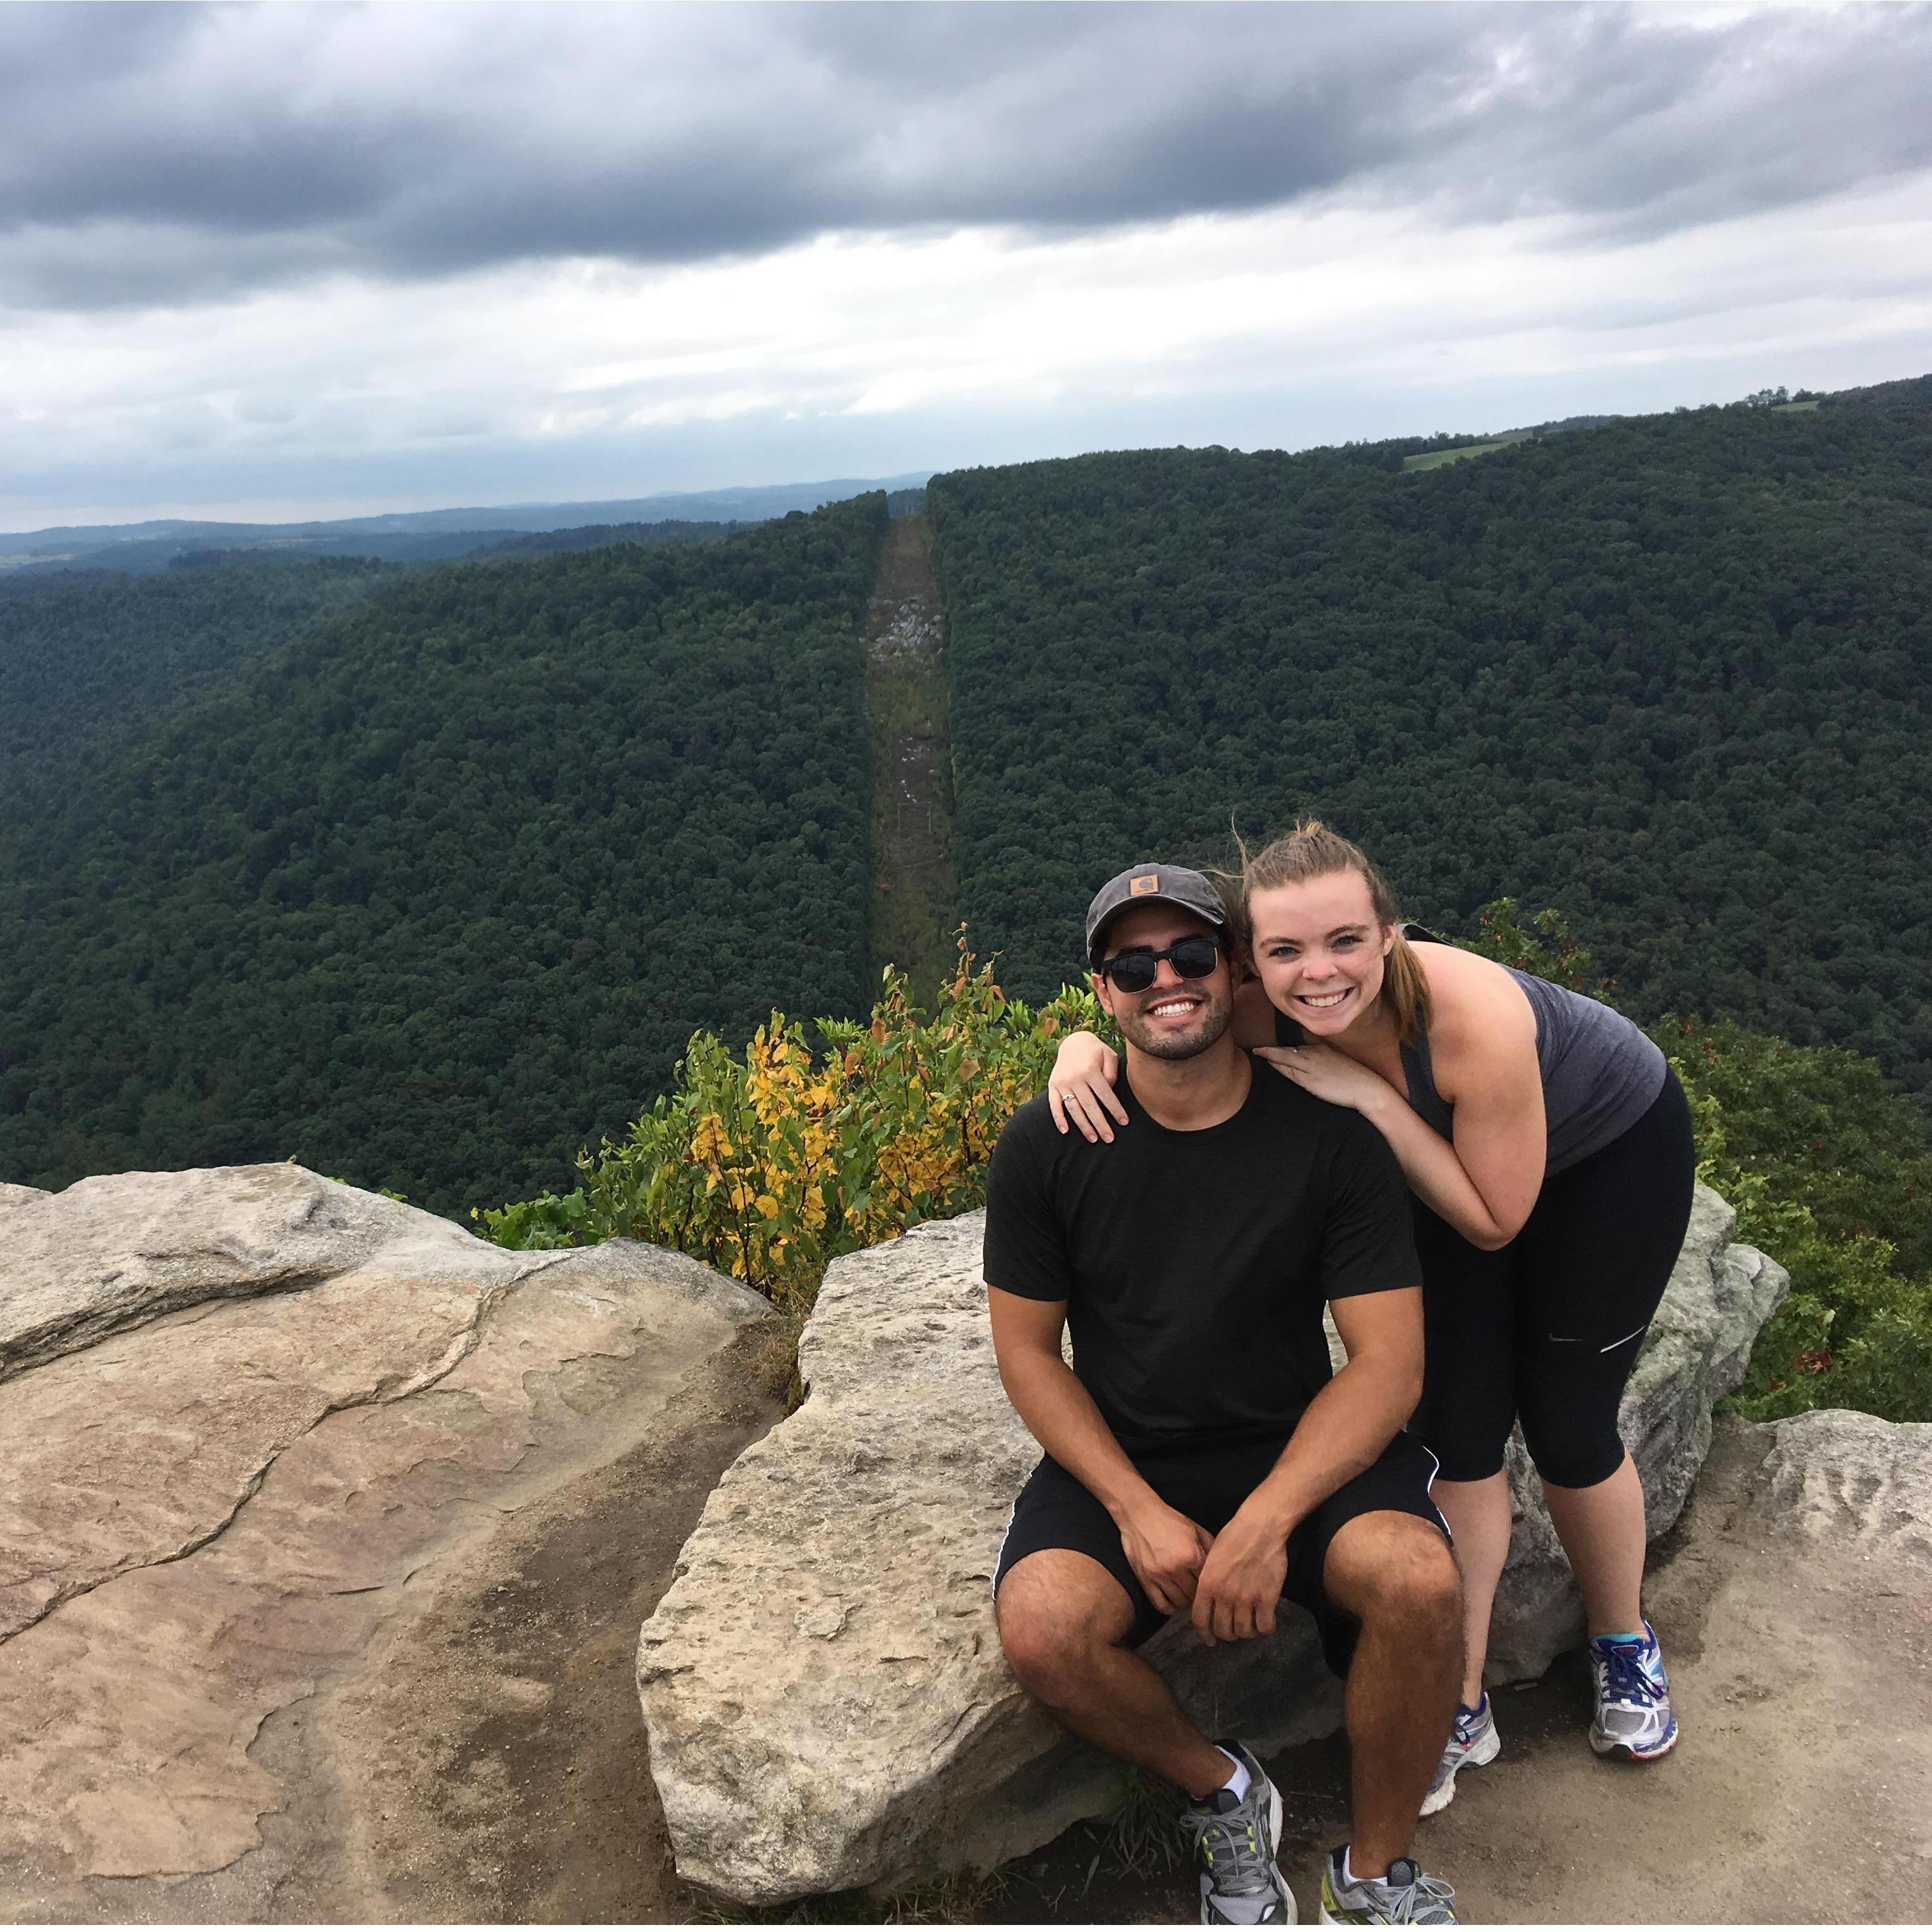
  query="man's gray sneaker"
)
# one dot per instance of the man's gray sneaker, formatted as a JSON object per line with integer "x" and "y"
{"x": 1234, "y": 1841}
{"x": 1404, "y": 1896}
{"x": 1472, "y": 1740}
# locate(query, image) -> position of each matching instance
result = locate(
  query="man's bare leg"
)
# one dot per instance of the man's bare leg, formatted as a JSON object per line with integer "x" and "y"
{"x": 1064, "y": 1620}
{"x": 1395, "y": 1573}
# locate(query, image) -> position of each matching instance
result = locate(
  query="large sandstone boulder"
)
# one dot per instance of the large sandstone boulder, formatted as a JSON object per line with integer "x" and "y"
{"x": 827, "y": 1701}
{"x": 1838, "y": 1476}
{"x": 276, "y": 1458}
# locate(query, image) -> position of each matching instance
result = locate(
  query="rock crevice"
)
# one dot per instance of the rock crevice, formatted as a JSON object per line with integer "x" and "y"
{"x": 225, "y": 1499}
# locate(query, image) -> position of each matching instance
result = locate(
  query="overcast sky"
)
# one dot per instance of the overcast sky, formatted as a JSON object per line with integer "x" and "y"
{"x": 290, "y": 261}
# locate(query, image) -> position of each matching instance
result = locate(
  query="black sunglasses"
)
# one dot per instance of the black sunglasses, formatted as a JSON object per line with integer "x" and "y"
{"x": 1133, "y": 971}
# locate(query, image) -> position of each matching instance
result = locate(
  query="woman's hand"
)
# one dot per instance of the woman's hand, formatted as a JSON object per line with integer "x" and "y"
{"x": 1330, "y": 1076}
{"x": 1081, "y": 1086}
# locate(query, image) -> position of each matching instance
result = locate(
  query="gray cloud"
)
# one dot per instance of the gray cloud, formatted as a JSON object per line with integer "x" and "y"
{"x": 172, "y": 153}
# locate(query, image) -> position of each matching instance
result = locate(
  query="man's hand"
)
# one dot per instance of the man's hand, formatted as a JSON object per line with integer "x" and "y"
{"x": 1240, "y": 1582}
{"x": 1166, "y": 1550}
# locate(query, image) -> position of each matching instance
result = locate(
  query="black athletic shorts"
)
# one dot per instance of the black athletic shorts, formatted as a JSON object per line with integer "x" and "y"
{"x": 1209, "y": 1483}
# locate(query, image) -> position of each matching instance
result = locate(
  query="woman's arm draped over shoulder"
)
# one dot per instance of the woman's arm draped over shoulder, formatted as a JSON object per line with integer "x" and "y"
{"x": 1081, "y": 1086}
{"x": 1483, "y": 1041}
{"x": 1485, "y": 1184}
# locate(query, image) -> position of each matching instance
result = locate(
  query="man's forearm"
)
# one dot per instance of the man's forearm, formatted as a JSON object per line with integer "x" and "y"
{"x": 1341, "y": 1433}
{"x": 1054, "y": 1403}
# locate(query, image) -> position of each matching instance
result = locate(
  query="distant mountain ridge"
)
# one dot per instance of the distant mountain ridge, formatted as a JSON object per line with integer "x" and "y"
{"x": 96, "y": 545}
{"x": 428, "y": 874}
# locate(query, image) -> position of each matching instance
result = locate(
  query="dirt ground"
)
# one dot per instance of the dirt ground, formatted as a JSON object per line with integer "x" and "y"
{"x": 1801, "y": 1792}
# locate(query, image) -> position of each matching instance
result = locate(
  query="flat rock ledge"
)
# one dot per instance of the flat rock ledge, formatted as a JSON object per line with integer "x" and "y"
{"x": 827, "y": 1702}
{"x": 1837, "y": 1474}
{"x": 260, "y": 1432}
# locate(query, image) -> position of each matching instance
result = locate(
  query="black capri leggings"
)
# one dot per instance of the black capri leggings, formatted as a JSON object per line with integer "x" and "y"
{"x": 1550, "y": 1327}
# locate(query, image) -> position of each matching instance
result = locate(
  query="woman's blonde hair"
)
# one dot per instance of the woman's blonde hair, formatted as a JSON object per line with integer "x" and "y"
{"x": 1313, "y": 850}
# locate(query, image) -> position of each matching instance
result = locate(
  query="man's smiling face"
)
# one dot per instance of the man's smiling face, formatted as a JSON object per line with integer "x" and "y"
{"x": 1174, "y": 1018}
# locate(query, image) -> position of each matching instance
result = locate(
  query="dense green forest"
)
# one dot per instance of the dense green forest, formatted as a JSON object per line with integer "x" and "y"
{"x": 427, "y": 875}
{"x": 439, "y": 892}
{"x": 1670, "y": 673}
{"x": 87, "y": 659}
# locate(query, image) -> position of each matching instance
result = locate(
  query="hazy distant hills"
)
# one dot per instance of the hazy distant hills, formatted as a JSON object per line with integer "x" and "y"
{"x": 88, "y": 660}
{"x": 90, "y": 657}
{"x": 417, "y": 535}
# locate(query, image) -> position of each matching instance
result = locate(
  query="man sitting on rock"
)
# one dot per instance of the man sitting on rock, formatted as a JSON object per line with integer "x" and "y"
{"x": 1200, "y": 1457}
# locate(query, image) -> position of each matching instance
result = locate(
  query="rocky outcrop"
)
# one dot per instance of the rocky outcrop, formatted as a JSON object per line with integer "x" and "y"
{"x": 272, "y": 1451}
{"x": 827, "y": 1701}
{"x": 1838, "y": 1475}
{"x": 119, "y": 1250}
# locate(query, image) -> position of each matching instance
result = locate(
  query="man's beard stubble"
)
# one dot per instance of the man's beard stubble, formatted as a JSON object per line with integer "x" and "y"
{"x": 1211, "y": 1021}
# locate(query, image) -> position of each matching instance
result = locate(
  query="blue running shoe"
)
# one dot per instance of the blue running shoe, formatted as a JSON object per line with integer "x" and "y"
{"x": 1633, "y": 1718}
{"x": 1472, "y": 1740}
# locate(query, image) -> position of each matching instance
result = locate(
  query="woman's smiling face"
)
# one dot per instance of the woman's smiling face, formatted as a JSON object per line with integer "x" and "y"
{"x": 1319, "y": 950}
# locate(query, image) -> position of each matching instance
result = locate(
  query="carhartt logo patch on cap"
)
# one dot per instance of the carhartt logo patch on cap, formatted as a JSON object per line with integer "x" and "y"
{"x": 1148, "y": 882}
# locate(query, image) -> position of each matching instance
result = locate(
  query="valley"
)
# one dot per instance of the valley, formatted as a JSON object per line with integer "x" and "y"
{"x": 427, "y": 877}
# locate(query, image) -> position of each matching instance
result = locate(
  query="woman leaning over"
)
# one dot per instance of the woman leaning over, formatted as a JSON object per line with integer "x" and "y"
{"x": 1547, "y": 1147}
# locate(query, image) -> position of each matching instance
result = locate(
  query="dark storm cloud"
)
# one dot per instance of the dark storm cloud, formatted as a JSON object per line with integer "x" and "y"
{"x": 171, "y": 153}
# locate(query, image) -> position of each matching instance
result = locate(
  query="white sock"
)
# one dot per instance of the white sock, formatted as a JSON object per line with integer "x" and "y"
{"x": 1239, "y": 1783}
{"x": 1348, "y": 1871}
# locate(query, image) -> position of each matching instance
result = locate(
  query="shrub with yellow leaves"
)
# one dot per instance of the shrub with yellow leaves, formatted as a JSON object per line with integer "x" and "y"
{"x": 771, "y": 1166}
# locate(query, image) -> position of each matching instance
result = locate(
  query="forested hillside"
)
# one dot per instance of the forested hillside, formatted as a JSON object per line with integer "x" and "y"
{"x": 438, "y": 893}
{"x": 87, "y": 659}
{"x": 1670, "y": 673}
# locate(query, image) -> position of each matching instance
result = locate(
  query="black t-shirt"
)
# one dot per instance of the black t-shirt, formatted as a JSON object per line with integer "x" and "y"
{"x": 1194, "y": 1265}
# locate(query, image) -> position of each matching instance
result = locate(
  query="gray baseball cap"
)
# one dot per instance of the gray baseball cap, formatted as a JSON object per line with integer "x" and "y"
{"x": 1153, "y": 884}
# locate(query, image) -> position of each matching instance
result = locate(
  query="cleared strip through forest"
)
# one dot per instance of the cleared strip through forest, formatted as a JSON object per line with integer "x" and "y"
{"x": 908, "y": 711}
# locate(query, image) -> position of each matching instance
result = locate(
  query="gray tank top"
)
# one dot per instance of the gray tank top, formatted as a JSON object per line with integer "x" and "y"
{"x": 1599, "y": 1073}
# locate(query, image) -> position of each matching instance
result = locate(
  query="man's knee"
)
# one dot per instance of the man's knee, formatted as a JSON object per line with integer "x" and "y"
{"x": 1390, "y": 1567}
{"x": 1058, "y": 1611}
